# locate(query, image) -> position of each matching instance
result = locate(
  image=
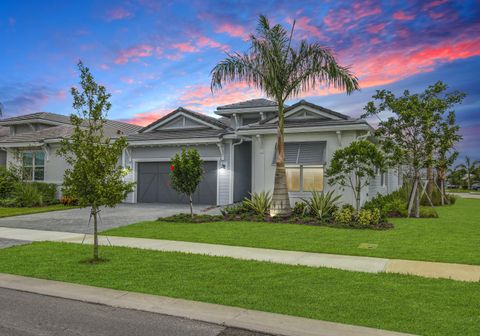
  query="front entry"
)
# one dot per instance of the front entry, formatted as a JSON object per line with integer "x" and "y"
{"x": 153, "y": 184}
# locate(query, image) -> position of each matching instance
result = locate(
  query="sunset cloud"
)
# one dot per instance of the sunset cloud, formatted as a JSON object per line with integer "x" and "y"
{"x": 118, "y": 13}
{"x": 134, "y": 53}
{"x": 402, "y": 16}
{"x": 233, "y": 30}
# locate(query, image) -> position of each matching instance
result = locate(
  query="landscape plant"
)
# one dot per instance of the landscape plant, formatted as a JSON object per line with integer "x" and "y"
{"x": 321, "y": 205}
{"x": 353, "y": 166}
{"x": 467, "y": 170}
{"x": 93, "y": 176}
{"x": 282, "y": 69}
{"x": 186, "y": 172}
{"x": 7, "y": 182}
{"x": 259, "y": 203}
{"x": 408, "y": 137}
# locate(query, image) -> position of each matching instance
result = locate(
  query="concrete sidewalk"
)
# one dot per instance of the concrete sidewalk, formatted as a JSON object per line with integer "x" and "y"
{"x": 344, "y": 262}
{"x": 264, "y": 322}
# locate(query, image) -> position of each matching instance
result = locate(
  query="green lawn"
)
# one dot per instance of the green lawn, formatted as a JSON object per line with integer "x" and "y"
{"x": 454, "y": 237}
{"x": 8, "y": 212}
{"x": 387, "y": 301}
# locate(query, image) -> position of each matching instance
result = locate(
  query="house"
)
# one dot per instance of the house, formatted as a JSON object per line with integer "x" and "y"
{"x": 238, "y": 150}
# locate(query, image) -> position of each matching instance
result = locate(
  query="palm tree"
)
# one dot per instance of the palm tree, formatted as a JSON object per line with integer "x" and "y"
{"x": 282, "y": 72}
{"x": 468, "y": 169}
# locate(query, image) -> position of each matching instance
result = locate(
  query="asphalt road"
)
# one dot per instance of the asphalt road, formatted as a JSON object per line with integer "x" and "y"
{"x": 26, "y": 314}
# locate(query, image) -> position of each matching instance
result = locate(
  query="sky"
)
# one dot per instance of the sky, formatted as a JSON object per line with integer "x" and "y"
{"x": 154, "y": 56}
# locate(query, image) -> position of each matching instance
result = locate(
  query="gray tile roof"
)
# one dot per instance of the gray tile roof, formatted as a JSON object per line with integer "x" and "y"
{"x": 47, "y": 116}
{"x": 306, "y": 123}
{"x": 177, "y": 134}
{"x": 55, "y": 132}
{"x": 201, "y": 116}
{"x": 260, "y": 102}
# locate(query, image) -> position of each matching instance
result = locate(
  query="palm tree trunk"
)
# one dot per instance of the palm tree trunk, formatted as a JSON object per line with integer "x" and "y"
{"x": 280, "y": 200}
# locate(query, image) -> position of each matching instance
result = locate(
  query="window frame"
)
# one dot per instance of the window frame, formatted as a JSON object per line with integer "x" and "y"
{"x": 301, "y": 174}
{"x": 33, "y": 166}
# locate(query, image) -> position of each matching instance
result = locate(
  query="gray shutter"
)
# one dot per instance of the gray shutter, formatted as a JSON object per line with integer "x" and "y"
{"x": 312, "y": 153}
{"x": 304, "y": 153}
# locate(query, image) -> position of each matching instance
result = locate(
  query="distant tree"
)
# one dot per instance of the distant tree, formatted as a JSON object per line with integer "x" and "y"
{"x": 354, "y": 166}
{"x": 1, "y": 110}
{"x": 282, "y": 69}
{"x": 447, "y": 135}
{"x": 408, "y": 137}
{"x": 468, "y": 170}
{"x": 186, "y": 172}
{"x": 94, "y": 176}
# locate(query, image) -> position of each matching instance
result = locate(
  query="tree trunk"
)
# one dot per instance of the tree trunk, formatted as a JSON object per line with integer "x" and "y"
{"x": 430, "y": 181}
{"x": 280, "y": 200}
{"x": 412, "y": 200}
{"x": 191, "y": 205}
{"x": 94, "y": 212}
{"x": 442, "y": 191}
{"x": 357, "y": 193}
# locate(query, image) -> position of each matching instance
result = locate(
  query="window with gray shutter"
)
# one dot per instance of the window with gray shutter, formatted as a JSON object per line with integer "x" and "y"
{"x": 304, "y": 153}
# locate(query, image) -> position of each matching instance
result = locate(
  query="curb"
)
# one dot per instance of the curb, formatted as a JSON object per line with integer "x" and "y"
{"x": 234, "y": 317}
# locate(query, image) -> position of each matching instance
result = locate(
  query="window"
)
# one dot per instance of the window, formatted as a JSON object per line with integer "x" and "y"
{"x": 33, "y": 164}
{"x": 304, "y": 178}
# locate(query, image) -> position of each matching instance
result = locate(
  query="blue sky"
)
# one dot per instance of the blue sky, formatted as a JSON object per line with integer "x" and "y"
{"x": 154, "y": 56}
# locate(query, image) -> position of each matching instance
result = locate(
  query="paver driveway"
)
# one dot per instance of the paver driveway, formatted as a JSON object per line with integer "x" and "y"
{"x": 76, "y": 220}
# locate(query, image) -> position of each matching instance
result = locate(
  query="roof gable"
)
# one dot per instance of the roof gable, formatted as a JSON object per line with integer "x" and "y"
{"x": 181, "y": 119}
{"x": 306, "y": 111}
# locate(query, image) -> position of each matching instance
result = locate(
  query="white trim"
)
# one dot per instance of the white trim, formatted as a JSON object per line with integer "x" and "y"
{"x": 174, "y": 116}
{"x": 22, "y": 144}
{"x": 194, "y": 141}
{"x": 232, "y": 170}
{"x": 309, "y": 129}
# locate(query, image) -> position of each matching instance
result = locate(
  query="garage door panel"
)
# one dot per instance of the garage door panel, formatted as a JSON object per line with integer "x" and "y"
{"x": 154, "y": 184}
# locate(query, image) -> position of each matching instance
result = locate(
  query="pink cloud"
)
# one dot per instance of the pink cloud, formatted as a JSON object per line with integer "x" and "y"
{"x": 402, "y": 16}
{"x": 104, "y": 66}
{"x": 375, "y": 28}
{"x": 117, "y": 13}
{"x": 128, "y": 80}
{"x": 233, "y": 30}
{"x": 203, "y": 41}
{"x": 344, "y": 19}
{"x": 146, "y": 118}
{"x": 186, "y": 47}
{"x": 432, "y": 4}
{"x": 134, "y": 53}
{"x": 303, "y": 23}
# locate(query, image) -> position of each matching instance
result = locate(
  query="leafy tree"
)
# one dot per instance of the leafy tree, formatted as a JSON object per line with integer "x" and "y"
{"x": 354, "y": 166}
{"x": 468, "y": 170}
{"x": 282, "y": 71}
{"x": 94, "y": 176}
{"x": 446, "y": 137}
{"x": 408, "y": 137}
{"x": 186, "y": 173}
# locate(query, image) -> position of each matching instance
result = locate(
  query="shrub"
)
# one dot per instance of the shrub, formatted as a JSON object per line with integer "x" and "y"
{"x": 344, "y": 216}
{"x": 299, "y": 209}
{"x": 7, "y": 182}
{"x": 368, "y": 218}
{"x": 258, "y": 203}
{"x": 321, "y": 205}
{"x": 48, "y": 191}
{"x": 8, "y": 202}
{"x": 69, "y": 200}
{"x": 187, "y": 218}
{"x": 27, "y": 195}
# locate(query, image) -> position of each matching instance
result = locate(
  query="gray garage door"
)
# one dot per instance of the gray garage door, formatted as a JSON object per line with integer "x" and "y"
{"x": 154, "y": 184}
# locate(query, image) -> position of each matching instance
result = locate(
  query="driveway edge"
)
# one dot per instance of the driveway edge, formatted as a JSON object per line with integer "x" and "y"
{"x": 258, "y": 321}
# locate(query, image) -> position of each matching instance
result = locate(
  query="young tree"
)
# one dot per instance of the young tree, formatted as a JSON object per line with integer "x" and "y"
{"x": 408, "y": 138}
{"x": 186, "y": 172}
{"x": 468, "y": 170}
{"x": 282, "y": 71}
{"x": 446, "y": 137}
{"x": 354, "y": 166}
{"x": 93, "y": 176}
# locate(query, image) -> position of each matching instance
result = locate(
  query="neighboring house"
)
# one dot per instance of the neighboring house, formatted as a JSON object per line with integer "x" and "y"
{"x": 238, "y": 150}
{"x": 31, "y": 141}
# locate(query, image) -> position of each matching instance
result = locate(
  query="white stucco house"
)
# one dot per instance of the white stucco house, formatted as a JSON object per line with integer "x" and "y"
{"x": 237, "y": 147}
